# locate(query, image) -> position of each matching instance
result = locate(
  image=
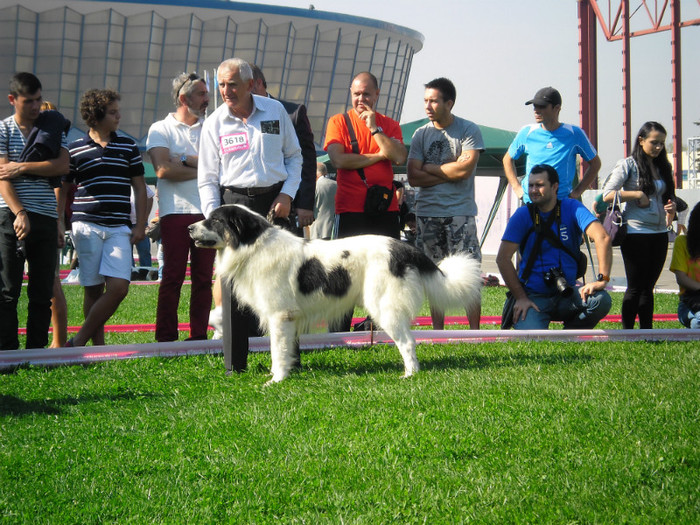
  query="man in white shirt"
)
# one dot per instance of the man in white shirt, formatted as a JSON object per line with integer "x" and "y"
{"x": 173, "y": 144}
{"x": 249, "y": 154}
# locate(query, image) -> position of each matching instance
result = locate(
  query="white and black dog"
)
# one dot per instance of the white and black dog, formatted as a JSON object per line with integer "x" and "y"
{"x": 291, "y": 283}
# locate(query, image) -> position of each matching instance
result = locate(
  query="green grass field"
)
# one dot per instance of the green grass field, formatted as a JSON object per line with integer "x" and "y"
{"x": 516, "y": 432}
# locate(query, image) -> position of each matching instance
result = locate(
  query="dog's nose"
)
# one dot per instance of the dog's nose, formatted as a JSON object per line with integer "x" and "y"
{"x": 190, "y": 228}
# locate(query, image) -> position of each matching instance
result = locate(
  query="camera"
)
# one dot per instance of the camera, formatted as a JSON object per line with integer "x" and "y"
{"x": 555, "y": 278}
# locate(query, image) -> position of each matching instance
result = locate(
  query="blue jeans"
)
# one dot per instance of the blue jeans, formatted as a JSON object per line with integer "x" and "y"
{"x": 571, "y": 310}
{"x": 40, "y": 250}
{"x": 143, "y": 249}
{"x": 684, "y": 315}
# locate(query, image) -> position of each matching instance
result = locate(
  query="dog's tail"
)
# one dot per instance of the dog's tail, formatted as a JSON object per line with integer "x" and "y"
{"x": 456, "y": 285}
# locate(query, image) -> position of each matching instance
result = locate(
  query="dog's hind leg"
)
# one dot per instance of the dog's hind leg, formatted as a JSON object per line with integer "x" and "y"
{"x": 282, "y": 347}
{"x": 406, "y": 344}
{"x": 399, "y": 330}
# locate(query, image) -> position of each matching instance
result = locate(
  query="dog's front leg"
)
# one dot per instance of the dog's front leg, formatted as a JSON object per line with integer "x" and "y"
{"x": 282, "y": 337}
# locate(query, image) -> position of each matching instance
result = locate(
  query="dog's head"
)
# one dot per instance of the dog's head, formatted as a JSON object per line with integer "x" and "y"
{"x": 230, "y": 225}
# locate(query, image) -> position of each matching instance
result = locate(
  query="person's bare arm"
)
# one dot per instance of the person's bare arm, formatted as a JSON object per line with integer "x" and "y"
{"x": 392, "y": 149}
{"x": 512, "y": 175}
{"x": 460, "y": 169}
{"x": 138, "y": 232}
{"x": 172, "y": 169}
{"x": 45, "y": 168}
{"x": 419, "y": 178}
{"x": 589, "y": 176}
{"x": 9, "y": 195}
{"x": 351, "y": 161}
{"x": 504, "y": 260}
{"x": 686, "y": 281}
{"x": 603, "y": 250}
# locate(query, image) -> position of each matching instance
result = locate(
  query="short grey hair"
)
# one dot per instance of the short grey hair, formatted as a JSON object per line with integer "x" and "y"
{"x": 184, "y": 84}
{"x": 243, "y": 67}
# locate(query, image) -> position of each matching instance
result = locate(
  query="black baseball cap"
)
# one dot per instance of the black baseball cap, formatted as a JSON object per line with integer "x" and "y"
{"x": 545, "y": 96}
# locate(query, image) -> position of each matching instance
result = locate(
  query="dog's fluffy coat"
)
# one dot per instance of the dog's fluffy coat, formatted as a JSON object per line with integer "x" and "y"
{"x": 291, "y": 284}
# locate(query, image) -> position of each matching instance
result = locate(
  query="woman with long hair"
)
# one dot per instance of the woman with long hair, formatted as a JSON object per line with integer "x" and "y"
{"x": 644, "y": 182}
{"x": 685, "y": 263}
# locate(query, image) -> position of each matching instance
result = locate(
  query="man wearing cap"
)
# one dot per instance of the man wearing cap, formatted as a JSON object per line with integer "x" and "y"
{"x": 551, "y": 142}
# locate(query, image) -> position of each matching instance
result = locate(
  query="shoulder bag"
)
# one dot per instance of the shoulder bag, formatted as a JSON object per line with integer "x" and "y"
{"x": 615, "y": 224}
{"x": 378, "y": 197}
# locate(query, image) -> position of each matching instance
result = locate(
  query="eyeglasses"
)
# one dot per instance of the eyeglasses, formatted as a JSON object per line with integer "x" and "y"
{"x": 190, "y": 78}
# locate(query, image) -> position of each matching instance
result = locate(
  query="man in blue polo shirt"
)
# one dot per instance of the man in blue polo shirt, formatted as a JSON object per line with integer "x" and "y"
{"x": 545, "y": 288}
{"x": 551, "y": 142}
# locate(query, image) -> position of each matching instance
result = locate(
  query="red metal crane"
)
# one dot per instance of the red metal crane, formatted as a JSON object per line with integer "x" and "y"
{"x": 615, "y": 23}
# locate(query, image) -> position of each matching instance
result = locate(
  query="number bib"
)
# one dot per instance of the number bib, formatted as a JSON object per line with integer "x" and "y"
{"x": 234, "y": 142}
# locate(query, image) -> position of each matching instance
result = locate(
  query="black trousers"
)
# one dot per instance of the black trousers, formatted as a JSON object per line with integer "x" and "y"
{"x": 351, "y": 224}
{"x": 40, "y": 252}
{"x": 239, "y": 322}
{"x": 643, "y": 255}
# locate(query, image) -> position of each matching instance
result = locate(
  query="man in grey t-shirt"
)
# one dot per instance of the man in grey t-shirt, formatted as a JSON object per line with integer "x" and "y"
{"x": 441, "y": 164}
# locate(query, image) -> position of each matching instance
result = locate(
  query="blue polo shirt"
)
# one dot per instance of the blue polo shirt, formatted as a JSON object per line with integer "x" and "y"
{"x": 103, "y": 176}
{"x": 575, "y": 218}
{"x": 557, "y": 148}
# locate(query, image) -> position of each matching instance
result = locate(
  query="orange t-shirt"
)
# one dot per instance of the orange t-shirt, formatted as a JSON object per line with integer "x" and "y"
{"x": 351, "y": 192}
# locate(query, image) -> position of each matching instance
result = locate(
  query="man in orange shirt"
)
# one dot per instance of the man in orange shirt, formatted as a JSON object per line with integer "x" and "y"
{"x": 379, "y": 145}
{"x": 363, "y": 155}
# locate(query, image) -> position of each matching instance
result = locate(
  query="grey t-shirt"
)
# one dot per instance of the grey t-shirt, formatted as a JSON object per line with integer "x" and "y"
{"x": 440, "y": 146}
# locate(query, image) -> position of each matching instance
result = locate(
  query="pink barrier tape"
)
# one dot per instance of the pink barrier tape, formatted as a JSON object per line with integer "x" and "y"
{"x": 92, "y": 354}
{"x": 418, "y": 321}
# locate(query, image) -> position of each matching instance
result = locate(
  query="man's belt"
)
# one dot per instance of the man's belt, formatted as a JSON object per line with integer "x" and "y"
{"x": 252, "y": 192}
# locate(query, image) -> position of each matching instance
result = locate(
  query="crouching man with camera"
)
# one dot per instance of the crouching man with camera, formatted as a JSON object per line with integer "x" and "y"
{"x": 547, "y": 233}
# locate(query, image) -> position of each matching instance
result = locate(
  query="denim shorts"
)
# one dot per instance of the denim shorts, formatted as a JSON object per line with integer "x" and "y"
{"x": 103, "y": 251}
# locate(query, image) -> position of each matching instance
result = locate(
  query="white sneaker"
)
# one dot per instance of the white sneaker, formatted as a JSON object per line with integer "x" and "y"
{"x": 73, "y": 277}
{"x": 216, "y": 321}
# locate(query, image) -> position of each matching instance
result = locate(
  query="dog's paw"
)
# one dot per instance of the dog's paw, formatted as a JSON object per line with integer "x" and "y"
{"x": 410, "y": 372}
{"x": 275, "y": 379}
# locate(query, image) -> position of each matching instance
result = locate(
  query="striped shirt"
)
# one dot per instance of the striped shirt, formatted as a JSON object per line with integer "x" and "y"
{"x": 34, "y": 192}
{"x": 103, "y": 176}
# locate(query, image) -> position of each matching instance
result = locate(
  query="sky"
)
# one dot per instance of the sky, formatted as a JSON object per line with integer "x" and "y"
{"x": 499, "y": 53}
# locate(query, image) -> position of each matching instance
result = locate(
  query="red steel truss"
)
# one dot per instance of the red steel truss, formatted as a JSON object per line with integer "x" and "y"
{"x": 616, "y": 22}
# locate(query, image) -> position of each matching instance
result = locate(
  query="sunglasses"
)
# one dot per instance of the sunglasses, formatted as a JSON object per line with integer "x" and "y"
{"x": 190, "y": 78}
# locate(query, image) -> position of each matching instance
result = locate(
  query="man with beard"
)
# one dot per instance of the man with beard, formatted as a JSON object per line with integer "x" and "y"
{"x": 547, "y": 235}
{"x": 173, "y": 144}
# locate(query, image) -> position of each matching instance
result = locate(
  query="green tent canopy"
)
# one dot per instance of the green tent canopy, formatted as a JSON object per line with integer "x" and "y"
{"x": 496, "y": 142}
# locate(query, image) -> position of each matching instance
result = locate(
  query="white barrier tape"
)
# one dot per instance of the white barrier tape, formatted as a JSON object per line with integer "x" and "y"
{"x": 93, "y": 354}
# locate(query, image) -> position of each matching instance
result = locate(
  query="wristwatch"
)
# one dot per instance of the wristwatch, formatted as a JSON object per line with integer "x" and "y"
{"x": 378, "y": 130}
{"x": 602, "y": 277}
{"x": 183, "y": 159}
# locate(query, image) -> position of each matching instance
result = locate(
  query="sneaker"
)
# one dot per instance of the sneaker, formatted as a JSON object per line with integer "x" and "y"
{"x": 216, "y": 322}
{"x": 695, "y": 321}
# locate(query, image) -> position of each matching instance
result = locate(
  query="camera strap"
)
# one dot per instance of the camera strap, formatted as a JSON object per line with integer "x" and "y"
{"x": 537, "y": 227}
{"x": 544, "y": 230}
{"x": 354, "y": 145}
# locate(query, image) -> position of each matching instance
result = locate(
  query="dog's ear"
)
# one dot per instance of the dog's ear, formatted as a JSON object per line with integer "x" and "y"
{"x": 234, "y": 229}
{"x": 245, "y": 226}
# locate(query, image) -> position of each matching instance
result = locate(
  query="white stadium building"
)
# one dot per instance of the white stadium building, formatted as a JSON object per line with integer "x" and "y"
{"x": 308, "y": 56}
